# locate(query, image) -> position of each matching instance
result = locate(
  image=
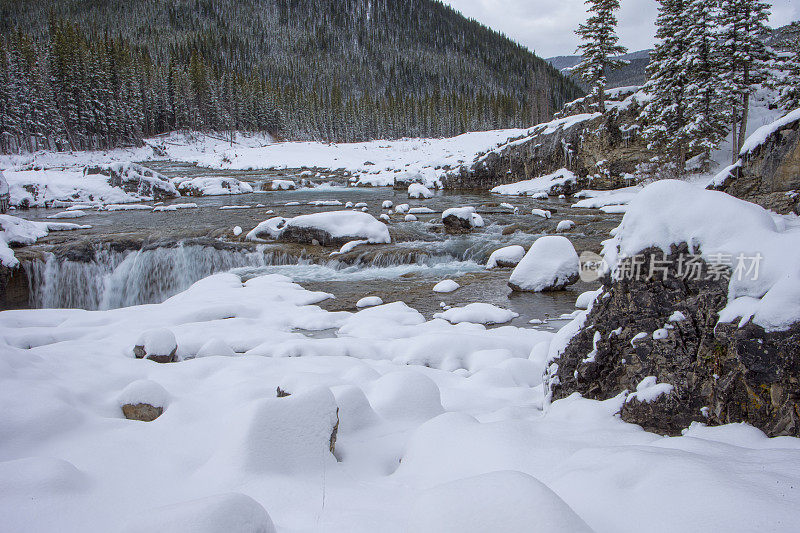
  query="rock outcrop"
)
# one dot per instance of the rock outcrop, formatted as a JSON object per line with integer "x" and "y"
{"x": 143, "y": 412}
{"x": 769, "y": 175}
{"x": 136, "y": 179}
{"x": 602, "y": 150}
{"x": 668, "y": 330}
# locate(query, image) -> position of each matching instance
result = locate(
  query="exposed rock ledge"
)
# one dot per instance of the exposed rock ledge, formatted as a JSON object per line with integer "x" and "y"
{"x": 719, "y": 373}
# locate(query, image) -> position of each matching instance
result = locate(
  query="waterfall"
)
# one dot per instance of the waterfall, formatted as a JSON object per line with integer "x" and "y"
{"x": 120, "y": 279}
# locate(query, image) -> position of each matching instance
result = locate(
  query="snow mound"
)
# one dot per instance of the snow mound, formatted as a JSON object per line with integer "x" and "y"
{"x": 502, "y": 501}
{"x": 506, "y": 257}
{"x": 158, "y": 341}
{"x": 565, "y": 225}
{"x": 478, "y": 313}
{"x": 406, "y": 394}
{"x": 387, "y": 204}
{"x": 224, "y": 513}
{"x": 445, "y": 286}
{"x": 351, "y": 225}
{"x": 541, "y": 213}
{"x": 550, "y": 184}
{"x": 402, "y": 209}
{"x": 215, "y": 348}
{"x": 144, "y": 391}
{"x": 718, "y": 225}
{"x": 411, "y": 218}
{"x": 369, "y": 301}
{"x": 551, "y": 264}
{"x": 419, "y": 191}
{"x": 76, "y": 213}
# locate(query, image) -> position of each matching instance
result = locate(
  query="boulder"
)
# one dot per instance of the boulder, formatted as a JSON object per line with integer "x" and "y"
{"x": 143, "y": 412}
{"x": 668, "y": 329}
{"x": 157, "y": 345}
{"x": 461, "y": 220}
{"x": 136, "y": 179}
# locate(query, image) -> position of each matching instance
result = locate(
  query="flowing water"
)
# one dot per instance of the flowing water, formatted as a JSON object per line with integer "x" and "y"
{"x": 141, "y": 257}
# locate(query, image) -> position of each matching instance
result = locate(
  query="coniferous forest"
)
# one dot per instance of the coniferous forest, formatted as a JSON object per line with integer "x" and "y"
{"x": 81, "y": 74}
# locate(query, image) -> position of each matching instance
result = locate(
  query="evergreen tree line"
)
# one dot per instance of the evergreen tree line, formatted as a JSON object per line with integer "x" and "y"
{"x": 332, "y": 70}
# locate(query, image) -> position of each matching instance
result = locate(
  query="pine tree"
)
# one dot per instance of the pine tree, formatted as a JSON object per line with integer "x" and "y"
{"x": 789, "y": 85}
{"x": 666, "y": 116}
{"x": 599, "y": 48}
{"x": 743, "y": 36}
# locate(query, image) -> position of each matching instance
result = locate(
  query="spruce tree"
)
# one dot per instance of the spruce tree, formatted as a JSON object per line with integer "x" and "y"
{"x": 789, "y": 85}
{"x": 599, "y": 48}
{"x": 745, "y": 54}
{"x": 666, "y": 116}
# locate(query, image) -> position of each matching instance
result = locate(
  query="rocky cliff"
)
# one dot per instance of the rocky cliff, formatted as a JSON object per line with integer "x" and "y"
{"x": 668, "y": 329}
{"x": 769, "y": 173}
{"x": 602, "y": 150}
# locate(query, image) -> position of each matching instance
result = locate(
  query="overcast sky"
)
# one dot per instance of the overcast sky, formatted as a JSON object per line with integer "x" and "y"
{"x": 547, "y": 26}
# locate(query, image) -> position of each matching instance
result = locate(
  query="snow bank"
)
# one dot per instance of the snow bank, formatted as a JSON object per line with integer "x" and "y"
{"x": 718, "y": 225}
{"x": 551, "y": 184}
{"x": 763, "y": 133}
{"x": 478, "y": 313}
{"x": 509, "y": 256}
{"x": 551, "y": 263}
{"x": 406, "y": 394}
{"x": 503, "y": 501}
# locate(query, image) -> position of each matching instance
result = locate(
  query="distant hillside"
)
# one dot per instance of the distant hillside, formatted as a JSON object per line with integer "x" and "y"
{"x": 337, "y": 69}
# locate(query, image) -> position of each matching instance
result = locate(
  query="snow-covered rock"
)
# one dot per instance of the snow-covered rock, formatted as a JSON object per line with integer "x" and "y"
{"x": 478, "y": 313}
{"x": 419, "y": 191}
{"x": 554, "y": 183}
{"x": 507, "y": 257}
{"x": 461, "y": 219}
{"x": 158, "y": 345}
{"x": 565, "y": 225}
{"x": 335, "y": 228}
{"x": 369, "y": 301}
{"x": 445, "y": 286}
{"x": 387, "y": 204}
{"x": 212, "y": 186}
{"x": 135, "y": 179}
{"x": 551, "y": 264}
{"x": 215, "y": 347}
{"x": 67, "y": 214}
{"x": 411, "y": 218}
{"x": 283, "y": 185}
{"x": 143, "y": 400}
{"x": 541, "y": 213}
{"x": 268, "y": 230}
{"x": 22, "y": 232}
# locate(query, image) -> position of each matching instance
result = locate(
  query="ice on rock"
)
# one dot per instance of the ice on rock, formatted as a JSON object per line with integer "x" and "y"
{"x": 551, "y": 264}
{"x": 565, "y": 225}
{"x": 215, "y": 348}
{"x": 478, "y": 313}
{"x": 503, "y": 501}
{"x": 369, "y": 301}
{"x": 445, "y": 286}
{"x": 419, "y": 191}
{"x": 510, "y": 256}
{"x": 224, "y": 513}
{"x": 406, "y": 394}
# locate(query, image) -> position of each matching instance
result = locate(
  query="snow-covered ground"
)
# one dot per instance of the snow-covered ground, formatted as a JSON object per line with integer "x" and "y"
{"x": 439, "y": 425}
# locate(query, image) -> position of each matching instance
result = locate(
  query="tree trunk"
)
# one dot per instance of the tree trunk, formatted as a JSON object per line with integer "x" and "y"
{"x": 734, "y": 138}
{"x": 743, "y": 123}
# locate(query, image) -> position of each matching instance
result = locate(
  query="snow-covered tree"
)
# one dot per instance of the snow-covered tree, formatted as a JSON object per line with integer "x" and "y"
{"x": 666, "y": 116}
{"x": 789, "y": 85}
{"x": 599, "y": 48}
{"x": 745, "y": 55}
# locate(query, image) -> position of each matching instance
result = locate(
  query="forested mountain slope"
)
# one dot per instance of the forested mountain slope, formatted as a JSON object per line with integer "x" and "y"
{"x": 325, "y": 69}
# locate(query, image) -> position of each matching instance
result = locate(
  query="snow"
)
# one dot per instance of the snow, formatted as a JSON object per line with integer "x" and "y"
{"x": 369, "y": 301}
{"x": 144, "y": 391}
{"x": 269, "y": 229}
{"x": 586, "y": 299}
{"x": 599, "y": 199}
{"x": 465, "y": 213}
{"x": 387, "y": 204}
{"x": 215, "y": 347}
{"x": 421, "y": 211}
{"x": 350, "y": 246}
{"x": 231, "y": 512}
{"x": 541, "y": 213}
{"x": 345, "y": 224}
{"x": 445, "y": 286}
{"x": 158, "y": 341}
{"x": 509, "y": 255}
{"x": 763, "y": 133}
{"x": 402, "y": 209}
{"x": 411, "y": 218}
{"x": 649, "y": 390}
{"x": 672, "y": 212}
{"x": 504, "y": 501}
{"x": 541, "y": 185}
{"x": 283, "y": 185}
{"x": 76, "y": 213}
{"x": 565, "y": 225}
{"x": 212, "y": 186}
{"x": 419, "y": 191}
{"x": 441, "y": 426}
{"x": 325, "y": 203}
{"x": 18, "y": 231}
{"x": 551, "y": 260}
{"x": 127, "y": 207}
{"x": 237, "y": 230}
{"x": 478, "y": 313}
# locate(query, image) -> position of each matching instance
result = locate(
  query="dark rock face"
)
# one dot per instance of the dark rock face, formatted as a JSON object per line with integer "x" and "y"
{"x": 558, "y": 284}
{"x": 143, "y": 412}
{"x": 314, "y": 236}
{"x": 721, "y": 373}
{"x": 600, "y": 151}
{"x": 770, "y": 175}
{"x": 456, "y": 225}
{"x": 14, "y": 291}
